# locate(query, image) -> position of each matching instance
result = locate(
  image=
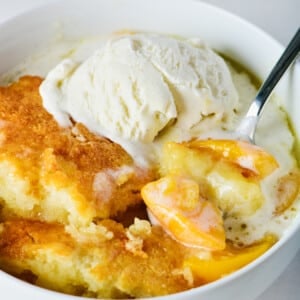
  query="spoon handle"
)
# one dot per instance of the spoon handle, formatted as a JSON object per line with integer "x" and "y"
{"x": 286, "y": 59}
{"x": 278, "y": 70}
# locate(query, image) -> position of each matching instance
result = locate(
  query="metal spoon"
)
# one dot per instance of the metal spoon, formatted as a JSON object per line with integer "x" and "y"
{"x": 247, "y": 127}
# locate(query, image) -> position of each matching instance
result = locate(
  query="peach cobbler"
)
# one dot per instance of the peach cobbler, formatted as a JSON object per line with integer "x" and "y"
{"x": 112, "y": 187}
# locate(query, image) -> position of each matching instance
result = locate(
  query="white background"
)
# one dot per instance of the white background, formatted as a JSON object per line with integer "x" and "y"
{"x": 281, "y": 19}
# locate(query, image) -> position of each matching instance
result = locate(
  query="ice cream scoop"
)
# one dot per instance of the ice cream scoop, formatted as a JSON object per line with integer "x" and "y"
{"x": 141, "y": 86}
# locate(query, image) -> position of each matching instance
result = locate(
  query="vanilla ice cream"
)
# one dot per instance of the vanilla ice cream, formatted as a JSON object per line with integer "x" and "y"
{"x": 136, "y": 85}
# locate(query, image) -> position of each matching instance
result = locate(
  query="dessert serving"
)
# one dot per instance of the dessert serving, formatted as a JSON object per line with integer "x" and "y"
{"x": 118, "y": 178}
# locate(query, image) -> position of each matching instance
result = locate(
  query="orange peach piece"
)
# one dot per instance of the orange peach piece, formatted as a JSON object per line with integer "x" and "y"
{"x": 225, "y": 262}
{"x": 287, "y": 191}
{"x": 176, "y": 204}
{"x": 245, "y": 154}
{"x": 235, "y": 190}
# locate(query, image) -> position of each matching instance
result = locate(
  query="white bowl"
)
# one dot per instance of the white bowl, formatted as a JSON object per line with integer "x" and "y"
{"x": 254, "y": 49}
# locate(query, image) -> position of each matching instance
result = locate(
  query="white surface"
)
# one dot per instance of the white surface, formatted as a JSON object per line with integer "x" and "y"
{"x": 280, "y": 18}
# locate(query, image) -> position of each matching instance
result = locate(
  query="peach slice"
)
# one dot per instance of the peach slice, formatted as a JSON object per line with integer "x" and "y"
{"x": 287, "y": 191}
{"x": 228, "y": 172}
{"x": 225, "y": 262}
{"x": 175, "y": 203}
{"x": 242, "y": 153}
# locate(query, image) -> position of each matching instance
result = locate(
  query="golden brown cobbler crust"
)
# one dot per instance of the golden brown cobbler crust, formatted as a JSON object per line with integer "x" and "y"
{"x": 34, "y": 143}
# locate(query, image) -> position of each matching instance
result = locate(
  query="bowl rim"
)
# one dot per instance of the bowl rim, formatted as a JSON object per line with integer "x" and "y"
{"x": 293, "y": 228}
